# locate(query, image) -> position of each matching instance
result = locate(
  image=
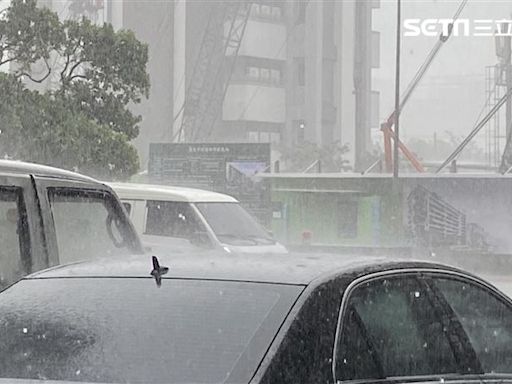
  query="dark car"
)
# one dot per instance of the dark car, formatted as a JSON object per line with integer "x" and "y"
{"x": 50, "y": 216}
{"x": 247, "y": 319}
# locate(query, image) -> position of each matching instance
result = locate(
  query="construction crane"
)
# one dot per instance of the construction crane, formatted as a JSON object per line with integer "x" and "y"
{"x": 215, "y": 62}
{"x": 387, "y": 126}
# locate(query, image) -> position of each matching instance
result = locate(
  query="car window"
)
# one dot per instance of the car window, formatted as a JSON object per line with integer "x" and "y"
{"x": 390, "y": 328}
{"x": 87, "y": 225}
{"x": 14, "y": 237}
{"x": 186, "y": 331}
{"x": 486, "y": 319}
{"x": 173, "y": 219}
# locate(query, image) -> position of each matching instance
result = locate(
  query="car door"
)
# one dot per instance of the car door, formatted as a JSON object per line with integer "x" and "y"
{"x": 84, "y": 220}
{"x": 22, "y": 248}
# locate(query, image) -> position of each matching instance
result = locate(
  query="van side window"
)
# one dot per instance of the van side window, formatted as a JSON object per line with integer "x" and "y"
{"x": 87, "y": 224}
{"x": 14, "y": 237}
{"x": 172, "y": 219}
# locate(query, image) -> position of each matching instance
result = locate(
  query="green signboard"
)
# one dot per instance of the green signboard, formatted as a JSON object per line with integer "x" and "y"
{"x": 221, "y": 167}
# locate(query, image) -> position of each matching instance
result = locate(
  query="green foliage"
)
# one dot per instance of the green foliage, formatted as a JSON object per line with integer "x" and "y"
{"x": 41, "y": 128}
{"x": 90, "y": 75}
{"x": 302, "y": 155}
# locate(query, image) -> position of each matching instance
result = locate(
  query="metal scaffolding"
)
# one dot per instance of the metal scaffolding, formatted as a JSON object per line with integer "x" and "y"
{"x": 213, "y": 68}
{"x": 494, "y": 138}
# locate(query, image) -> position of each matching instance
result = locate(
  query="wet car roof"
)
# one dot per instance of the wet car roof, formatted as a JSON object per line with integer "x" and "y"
{"x": 298, "y": 268}
{"x": 14, "y": 166}
{"x": 168, "y": 193}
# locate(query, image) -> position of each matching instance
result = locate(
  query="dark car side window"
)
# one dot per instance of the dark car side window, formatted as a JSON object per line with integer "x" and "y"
{"x": 487, "y": 320}
{"x": 390, "y": 328}
{"x": 14, "y": 237}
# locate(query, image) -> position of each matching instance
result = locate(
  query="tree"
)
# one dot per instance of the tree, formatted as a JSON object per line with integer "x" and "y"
{"x": 82, "y": 120}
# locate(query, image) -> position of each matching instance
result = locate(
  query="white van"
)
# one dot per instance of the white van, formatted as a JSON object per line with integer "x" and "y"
{"x": 174, "y": 216}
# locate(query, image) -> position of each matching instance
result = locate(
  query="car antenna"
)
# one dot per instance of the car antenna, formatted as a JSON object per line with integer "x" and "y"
{"x": 158, "y": 271}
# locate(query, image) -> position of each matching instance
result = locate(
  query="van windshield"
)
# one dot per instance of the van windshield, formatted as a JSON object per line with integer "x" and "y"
{"x": 234, "y": 225}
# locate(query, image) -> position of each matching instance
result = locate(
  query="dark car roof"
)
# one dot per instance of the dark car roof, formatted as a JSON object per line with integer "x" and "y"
{"x": 298, "y": 268}
{"x": 13, "y": 166}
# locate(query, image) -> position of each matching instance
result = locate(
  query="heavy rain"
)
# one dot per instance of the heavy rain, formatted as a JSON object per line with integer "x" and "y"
{"x": 268, "y": 191}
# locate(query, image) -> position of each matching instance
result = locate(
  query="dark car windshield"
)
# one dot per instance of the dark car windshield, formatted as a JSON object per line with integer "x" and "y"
{"x": 234, "y": 225}
{"x": 129, "y": 331}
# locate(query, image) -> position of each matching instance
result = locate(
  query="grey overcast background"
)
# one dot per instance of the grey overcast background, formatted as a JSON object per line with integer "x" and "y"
{"x": 452, "y": 94}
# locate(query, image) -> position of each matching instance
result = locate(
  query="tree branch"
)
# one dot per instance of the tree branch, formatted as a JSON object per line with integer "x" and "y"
{"x": 8, "y": 60}
{"x": 37, "y": 80}
{"x": 73, "y": 68}
{"x": 68, "y": 61}
{"x": 63, "y": 72}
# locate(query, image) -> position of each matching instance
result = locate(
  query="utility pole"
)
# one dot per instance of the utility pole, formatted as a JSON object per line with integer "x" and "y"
{"x": 396, "y": 164}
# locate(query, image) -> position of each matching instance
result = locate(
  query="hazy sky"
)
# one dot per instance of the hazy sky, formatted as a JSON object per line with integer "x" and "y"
{"x": 453, "y": 92}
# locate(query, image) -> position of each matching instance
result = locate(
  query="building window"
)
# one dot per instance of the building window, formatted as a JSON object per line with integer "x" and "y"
{"x": 263, "y": 74}
{"x": 253, "y": 73}
{"x": 266, "y": 11}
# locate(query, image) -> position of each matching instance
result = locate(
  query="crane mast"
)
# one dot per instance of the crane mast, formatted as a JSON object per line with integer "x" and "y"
{"x": 212, "y": 71}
